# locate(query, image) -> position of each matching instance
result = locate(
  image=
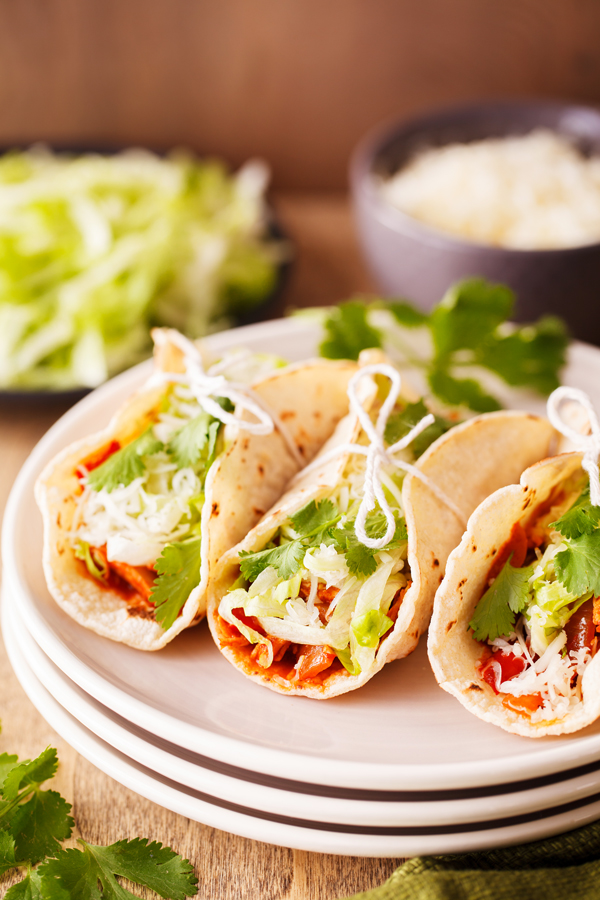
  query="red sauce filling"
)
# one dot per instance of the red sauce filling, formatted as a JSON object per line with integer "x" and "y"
{"x": 295, "y": 663}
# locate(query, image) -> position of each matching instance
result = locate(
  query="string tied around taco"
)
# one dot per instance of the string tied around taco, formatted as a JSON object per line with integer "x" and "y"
{"x": 377, "y": 455}
{"x": 206, "y": 385}
{"x": 589, "y": 444}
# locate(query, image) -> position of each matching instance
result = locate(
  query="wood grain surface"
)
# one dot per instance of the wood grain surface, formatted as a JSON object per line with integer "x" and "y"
{"x": 327, "y": 267}
{"x": 295, "y": 81}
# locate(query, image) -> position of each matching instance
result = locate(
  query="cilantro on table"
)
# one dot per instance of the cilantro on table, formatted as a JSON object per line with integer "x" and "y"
{"x": 317, "y": 523}
{"x": 495, "y": 613}
{"x": 33, "y": 824}
{"x": 468, "y": 329}
{"x": 125, "y": 465}
{"x": 178, "y": 569}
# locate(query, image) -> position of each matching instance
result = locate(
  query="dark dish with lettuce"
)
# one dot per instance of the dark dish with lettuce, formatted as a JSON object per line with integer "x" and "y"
{"x": 96, "y": 249}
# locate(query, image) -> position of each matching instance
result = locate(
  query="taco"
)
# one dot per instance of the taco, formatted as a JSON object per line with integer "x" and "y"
{"x": 136, "y": 517}
{"x": 514, "y": 628}
{"x": 305, "y": 607}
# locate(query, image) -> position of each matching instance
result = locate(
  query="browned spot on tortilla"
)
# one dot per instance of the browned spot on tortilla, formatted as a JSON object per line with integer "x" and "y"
{"x": 475, "y": 687}
{"x": 257, "y": 511}
{"x": 492, "y": 552}
{"x": 436, "y": 562}
{"x": 261, "y": 469}
{"x": 474, "y": 548}
{"x": 528, "y": 502}
{"x": 58, "y": 520}
{"x": 301, "y": 449}
{"x": 461, "y": 583}
{"x": 287, "y": 414}
{"x": 245, "y": 443}
{"x": 60, "y": 550}
{"x": 317, "y": 414}
{"x": 450, "y": 625}
{"x": 140, "y": 612}
{"x": 215, "y": 509}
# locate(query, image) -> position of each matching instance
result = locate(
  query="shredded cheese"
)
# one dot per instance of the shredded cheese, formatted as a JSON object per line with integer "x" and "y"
{"x": 531, "y": 192}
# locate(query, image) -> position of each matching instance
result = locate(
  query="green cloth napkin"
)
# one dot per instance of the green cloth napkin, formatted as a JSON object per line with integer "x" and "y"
{"x": 566, "y": 867}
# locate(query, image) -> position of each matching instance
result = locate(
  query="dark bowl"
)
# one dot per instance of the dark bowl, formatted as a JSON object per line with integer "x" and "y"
{"x": 413, "y": 260}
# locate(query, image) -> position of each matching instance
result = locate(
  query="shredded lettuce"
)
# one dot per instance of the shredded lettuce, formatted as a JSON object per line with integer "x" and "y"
{"x": 95, "y": 250}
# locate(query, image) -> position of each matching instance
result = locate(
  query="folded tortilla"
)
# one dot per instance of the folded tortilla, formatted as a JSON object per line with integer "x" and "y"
{"x": 466, "y": 463}
{"x": 458, "y": 659}
{"x": 248, "y": 475}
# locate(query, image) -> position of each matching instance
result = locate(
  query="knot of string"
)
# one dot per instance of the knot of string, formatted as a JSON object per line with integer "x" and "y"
{"x": 589, "y": 444}
{"x": 205, "y": 386}
{"x": 377, "y": 455}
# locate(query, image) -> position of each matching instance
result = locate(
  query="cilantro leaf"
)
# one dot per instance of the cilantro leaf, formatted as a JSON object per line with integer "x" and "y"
{"x": 401, "y": 422}
{"x": 376, "y": 527}
{"x": 315, "y": 518}
{"x": 495, "y": 613}
{"x": 467, "y": 328}
{"x": 530, "y": 355}
{"x": 39, "y": 824}
{"x": 468, "y": 313}
{"x": 29, "y": 772}
{"x": 178, "y": 569}
{"x": 125, "y": 465}
{"x": 349, "y": 332}
{"x": 187, "y": 445}
{"x": 30, "y": 888}
{"x": 287, "y": 559}
{"x": 91, "y": 873}
{"x": 461, "y": 391}
{"x": 406, "y": 314}
{"x": 7, "y": 762}
{"x": 577, "y": 567}
{"x": 360, "y": 560}
{"x": 7, "y": 851}
{"x": 581, "y": 518}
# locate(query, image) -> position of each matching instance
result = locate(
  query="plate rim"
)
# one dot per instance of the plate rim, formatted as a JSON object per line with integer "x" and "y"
{"x": 266, "y": 760}
{"x": 313, "y": 837}
{"x": 361, "y": 809}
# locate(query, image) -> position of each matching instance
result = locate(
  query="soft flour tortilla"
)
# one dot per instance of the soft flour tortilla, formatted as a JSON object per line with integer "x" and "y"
{"x": 467, "y": 463}
{"x": 453, "y": 652}
{"x": 245, "y": 480}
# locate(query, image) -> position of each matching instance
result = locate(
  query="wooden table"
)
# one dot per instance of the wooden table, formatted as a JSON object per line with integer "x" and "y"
{"x": 327, "y": 268}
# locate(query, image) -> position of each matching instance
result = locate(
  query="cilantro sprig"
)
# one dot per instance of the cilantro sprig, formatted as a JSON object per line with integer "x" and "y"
{"x": 497, "y": 610}
{"x": 317, "y": 523}
{"x": 401, "y": 422}
{"x": 467, "y": 330}
{"x": 34, "y": 823}
{"x": 577, "y": 567}
{"x": 178, "y": 569}
{"x": 125, "y": 465}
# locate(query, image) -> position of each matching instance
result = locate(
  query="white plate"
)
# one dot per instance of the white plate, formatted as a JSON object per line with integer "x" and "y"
{"x": 398, "y": 733}
{"x": 239, "y": 786}
{"x": 281, "y": 830}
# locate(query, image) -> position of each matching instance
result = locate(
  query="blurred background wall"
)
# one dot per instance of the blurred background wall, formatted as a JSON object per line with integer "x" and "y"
{"x": 294, "y": 81}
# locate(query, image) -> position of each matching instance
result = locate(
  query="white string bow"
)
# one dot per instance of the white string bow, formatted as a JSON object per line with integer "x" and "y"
{"x": 206, "y": 385}
{"x": 589, "y": 444}
{"x": 377, "y": 455}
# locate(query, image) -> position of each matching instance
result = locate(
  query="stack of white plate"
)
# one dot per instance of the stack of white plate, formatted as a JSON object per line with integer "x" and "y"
{"x": 395, "y": 769}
